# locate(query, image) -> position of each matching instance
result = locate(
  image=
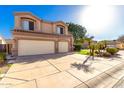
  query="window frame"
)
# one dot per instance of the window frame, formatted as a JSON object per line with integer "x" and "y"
{"x": 28, "y": 27}
{"x": 59, "y": 31}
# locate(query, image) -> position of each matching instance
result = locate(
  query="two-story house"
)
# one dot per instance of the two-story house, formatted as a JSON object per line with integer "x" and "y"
{"x": 32, "y": 36}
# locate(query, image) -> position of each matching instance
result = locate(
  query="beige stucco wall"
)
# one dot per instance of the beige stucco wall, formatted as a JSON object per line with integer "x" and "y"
{"x": 40, "y": 25}
{"x": 120, "y": 46}
{"x": 24, "y": 35}
{"x": 18, "y": 21}
{"x": 17, "y": 24}
{"x": 46, "y": 27}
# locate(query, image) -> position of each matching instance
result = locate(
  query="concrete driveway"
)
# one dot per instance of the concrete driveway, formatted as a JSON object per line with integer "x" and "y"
{"x": 63, "y": 70}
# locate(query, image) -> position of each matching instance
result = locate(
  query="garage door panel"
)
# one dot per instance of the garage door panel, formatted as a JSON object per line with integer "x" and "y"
{"x": 32, "y": 47}
{"x": 63, "y": 47}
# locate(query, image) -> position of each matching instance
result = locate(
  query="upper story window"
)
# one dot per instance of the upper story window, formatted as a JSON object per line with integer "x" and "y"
{"x": 27, "y": 25}
{"x": 60, "y": 30}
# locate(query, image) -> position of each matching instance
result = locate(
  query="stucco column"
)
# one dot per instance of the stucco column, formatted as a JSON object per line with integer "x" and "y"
{"x": 66, "y": 30}
{"x": 38, "y": 26}
{"x": 72, "y": 41}
{"x": 15, "y": 47}
{"x": 56, "y": 46}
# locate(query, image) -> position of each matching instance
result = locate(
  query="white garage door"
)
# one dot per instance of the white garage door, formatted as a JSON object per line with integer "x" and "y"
{"x": 33, "y": 47}
{"x": 63, "y": 47}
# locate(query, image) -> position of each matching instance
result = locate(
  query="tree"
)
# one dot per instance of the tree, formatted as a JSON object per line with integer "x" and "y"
{"x": 103, "y": 44}
{"x": 89, "y": 40}
{"x": 100, "y": 46}
{"x": 121, "y": 39}
{"x": 92, "y": 49}
{"x": 77, "y": 31}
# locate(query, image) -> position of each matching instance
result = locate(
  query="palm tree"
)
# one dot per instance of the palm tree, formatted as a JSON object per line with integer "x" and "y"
{"x": 104, "y": 44}
{"x": 100, "y": 47}
{"x": 92, "y": 48}
{"x": 89, "y": 40}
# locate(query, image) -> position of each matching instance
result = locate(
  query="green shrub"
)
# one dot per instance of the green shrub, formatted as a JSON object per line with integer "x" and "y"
{"x": 2, "y": 56}
{"x": 112, "y": 51}
{"x": 84, "y": 52}
{"x": 77, "y": 47}
{"x": 96, "y": 52}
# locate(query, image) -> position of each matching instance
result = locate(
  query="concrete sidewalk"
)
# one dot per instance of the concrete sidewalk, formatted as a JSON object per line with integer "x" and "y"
{"x": 63, "y": 71}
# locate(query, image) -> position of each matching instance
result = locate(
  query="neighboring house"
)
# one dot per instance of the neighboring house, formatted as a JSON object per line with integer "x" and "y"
{"x": 5, "y": 45}
{"x": 32, "y": 36}
{"x": 120, "y": 45}
{"x": 115, "y": 43}
{"x": 2, "y": 44}
{"x": 8, "y": 46}
{"x": 111, "y": 43}
{"x": 8, "y": 41}
{"x": 2, "y": 40}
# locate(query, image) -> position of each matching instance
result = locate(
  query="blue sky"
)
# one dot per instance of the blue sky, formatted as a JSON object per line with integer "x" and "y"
{"x": 65, "y": 13}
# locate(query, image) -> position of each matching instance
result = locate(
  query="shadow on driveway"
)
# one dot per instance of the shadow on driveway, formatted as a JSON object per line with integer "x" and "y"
{"x": 83, "y": 66}
{"x": 79, "y": 66}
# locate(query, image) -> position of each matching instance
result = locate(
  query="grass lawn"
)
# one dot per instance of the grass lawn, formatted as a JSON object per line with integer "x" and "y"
{"x": 84, "y": 52}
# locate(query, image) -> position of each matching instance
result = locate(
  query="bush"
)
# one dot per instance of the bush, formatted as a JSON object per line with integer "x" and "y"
{"x": 112, "y": 51}
{"x": 2, "y": 57}
{"x": 77, "y": 47}
{"x": 96, "y": 52}
{"x": 106, "y": 54}
{"x": 85, "y": 52}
